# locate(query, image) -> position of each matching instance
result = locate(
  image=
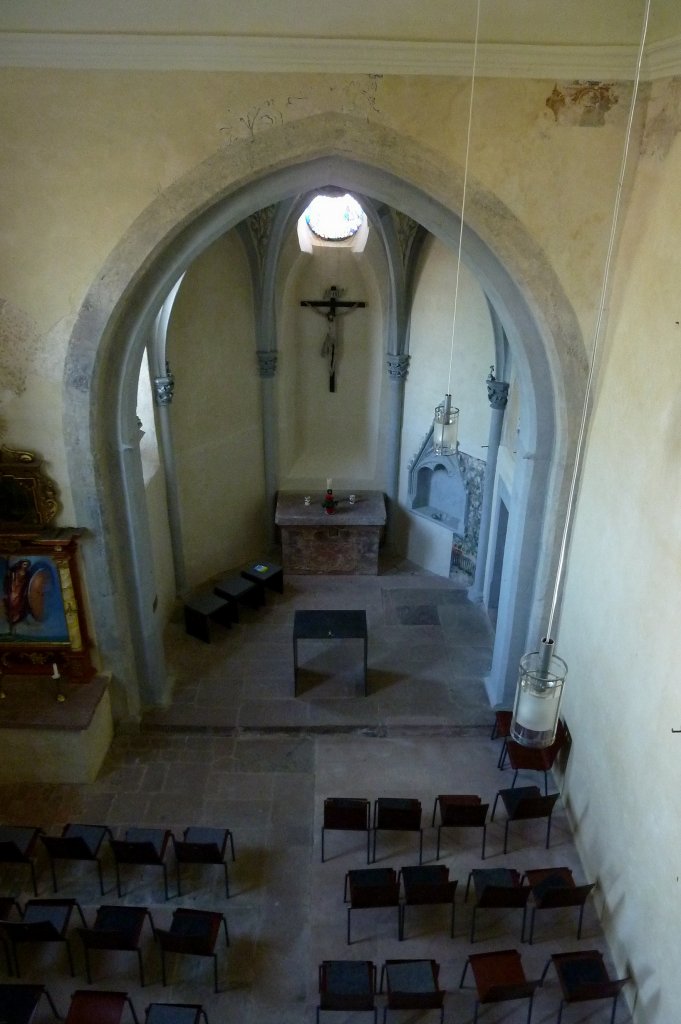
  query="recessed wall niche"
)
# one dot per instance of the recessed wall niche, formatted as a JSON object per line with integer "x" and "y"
{"x": 440, "y": 493}
{"x": 447, "y": 490}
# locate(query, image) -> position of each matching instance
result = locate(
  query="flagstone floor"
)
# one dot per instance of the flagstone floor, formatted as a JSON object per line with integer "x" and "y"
{"x": 236, "y": 749}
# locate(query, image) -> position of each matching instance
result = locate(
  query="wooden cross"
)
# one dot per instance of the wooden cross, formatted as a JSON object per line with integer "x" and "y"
{"x": 331, "y": 307}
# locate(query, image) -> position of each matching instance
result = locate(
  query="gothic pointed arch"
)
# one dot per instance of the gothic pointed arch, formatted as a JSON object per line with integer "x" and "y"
{"x": 118, "y": 313}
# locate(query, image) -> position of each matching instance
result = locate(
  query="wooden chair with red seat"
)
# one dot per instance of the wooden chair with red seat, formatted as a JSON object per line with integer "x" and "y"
{"x": 536, "y": 759}
{"x": 18, "y": 1003}
{"x": 524, "y": 804}
{"x": 90, "y": 1005}
{"x": 192, "y": 933}
{"x": 499, "y": 977}
{"x": 583, "y": 976}
{"x": 116, "y": 928}
{"x": 554, "y": 888}
{"x": 464, "y": 810}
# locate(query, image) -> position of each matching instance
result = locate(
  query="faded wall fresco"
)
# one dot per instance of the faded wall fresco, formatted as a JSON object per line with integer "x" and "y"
{"x": 585, "y": 104}
{"x": 359, "y": 96}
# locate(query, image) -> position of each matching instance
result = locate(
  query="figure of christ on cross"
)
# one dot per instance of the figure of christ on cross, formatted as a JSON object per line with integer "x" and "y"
{"x": 331, "y": 307}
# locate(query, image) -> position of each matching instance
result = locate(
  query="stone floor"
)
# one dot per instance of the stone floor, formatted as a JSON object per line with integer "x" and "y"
{"x": 236, "y": 749}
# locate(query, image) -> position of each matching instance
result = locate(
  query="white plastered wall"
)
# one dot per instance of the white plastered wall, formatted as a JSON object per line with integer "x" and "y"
{"x": 216, "y": 412}
{"x": 323, "y": 434}
{"x": 619, "y": 624}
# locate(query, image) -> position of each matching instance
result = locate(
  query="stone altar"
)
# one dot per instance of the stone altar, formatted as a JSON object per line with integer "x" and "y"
{"x": 44, "y": 740}
{"x": 346, "y": 542}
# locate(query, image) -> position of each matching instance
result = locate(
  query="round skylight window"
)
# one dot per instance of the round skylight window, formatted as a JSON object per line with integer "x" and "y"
{"x": 334, "y": 218}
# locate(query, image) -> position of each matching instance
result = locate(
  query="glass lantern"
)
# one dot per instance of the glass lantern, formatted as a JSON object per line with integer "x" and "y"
{"x": 538, "y": 696}
{"x": 445, "y": 428}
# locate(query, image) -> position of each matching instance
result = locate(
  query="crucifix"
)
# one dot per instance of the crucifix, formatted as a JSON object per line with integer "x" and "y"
{"x": 331, "y": 307}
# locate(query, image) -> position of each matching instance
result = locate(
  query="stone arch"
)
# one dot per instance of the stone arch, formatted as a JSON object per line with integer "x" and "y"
{"x": 118, "y": 313}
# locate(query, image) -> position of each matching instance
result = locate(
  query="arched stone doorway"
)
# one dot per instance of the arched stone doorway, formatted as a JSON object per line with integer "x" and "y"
{"x": 117, "y": 317}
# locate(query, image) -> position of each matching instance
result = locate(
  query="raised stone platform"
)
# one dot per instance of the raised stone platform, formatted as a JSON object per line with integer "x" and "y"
{"x": 45, "y": 740}
{"x": 345, "y": 542}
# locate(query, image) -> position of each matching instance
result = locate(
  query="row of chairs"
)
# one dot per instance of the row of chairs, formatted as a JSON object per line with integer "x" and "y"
{"x": 140, "y": 846}
{"x": 495, "y": 888}
{"x": 18, "y": 1005}
{"x": 498, "y": 976}
{"x": 116, "y": 927}
{"x": 456, "y": 810}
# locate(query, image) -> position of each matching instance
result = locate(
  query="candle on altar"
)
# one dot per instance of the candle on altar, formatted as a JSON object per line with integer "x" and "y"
{"x": 55, "y": 670}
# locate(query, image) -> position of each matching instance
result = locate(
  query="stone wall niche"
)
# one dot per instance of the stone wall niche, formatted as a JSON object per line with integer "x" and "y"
{"x": 438, "y": 491}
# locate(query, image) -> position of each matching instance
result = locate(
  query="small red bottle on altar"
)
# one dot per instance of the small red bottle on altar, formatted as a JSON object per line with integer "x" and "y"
{"x": 329, "y": 503}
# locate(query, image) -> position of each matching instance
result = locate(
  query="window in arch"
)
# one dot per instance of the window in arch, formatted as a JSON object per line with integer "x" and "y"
{"x": 333, "y": 220}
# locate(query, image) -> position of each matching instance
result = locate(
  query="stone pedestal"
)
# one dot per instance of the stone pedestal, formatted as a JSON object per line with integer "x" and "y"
{"x": 346, "y": 542}
{"x": 45, "y": 740}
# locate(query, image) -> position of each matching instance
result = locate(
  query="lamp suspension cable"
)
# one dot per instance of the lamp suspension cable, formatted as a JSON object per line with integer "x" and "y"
{"x": 463, "y": 194}
{"x": 597, "y": 329}
{"x": 446, "y": 420}
{"x": 542, "y": 674}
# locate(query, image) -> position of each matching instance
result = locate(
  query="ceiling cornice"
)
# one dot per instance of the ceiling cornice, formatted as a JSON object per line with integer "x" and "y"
{"x": 102, "y": 52}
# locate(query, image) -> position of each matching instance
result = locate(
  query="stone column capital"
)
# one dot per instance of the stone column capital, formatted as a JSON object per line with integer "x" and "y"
{"x": 164, "y": 388}
{"x": 267, "y": 363}
{"x": 398, "y": 366}
{"x": 497, "y": 393}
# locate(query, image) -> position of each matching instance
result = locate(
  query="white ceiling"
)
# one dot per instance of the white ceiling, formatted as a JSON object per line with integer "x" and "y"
{"x": 572, "y": 22}
{"x": 81, "y": 32}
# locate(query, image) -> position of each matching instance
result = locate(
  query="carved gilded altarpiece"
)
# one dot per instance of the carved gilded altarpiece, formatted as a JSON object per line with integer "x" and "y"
{"x": 42, "y": 620}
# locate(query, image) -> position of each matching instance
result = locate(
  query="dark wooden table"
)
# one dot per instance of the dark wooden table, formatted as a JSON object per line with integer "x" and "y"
{"x": 328, "y": 625}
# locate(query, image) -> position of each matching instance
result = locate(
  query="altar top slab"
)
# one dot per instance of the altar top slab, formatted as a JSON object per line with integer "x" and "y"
{"x": 368, "y": 509}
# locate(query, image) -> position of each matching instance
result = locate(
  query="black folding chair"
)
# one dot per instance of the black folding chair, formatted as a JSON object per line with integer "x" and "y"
{"x": 371, "y": 888}
{"x": 525, "y": 804}
{"x": 77, "y": 842}
{"x": 425, "y": 885}
{"x": 18, "y": 1003}
{"x": 497, "y": 889}
{"x": 43, "y": 920}
{"x": 141, "y": 846}
{"x": 583, "y": 976}
{"x": 397, "y": 814}
{"x": 18, "y": 845}
{"x": 553, "y": 889}
{"x": 347, "y": 985}
{"x": 116, "y": 928}
{"x": 203, "y": 846}
{"x": 347, "y": 814}
{"x": 192, "y": 933}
